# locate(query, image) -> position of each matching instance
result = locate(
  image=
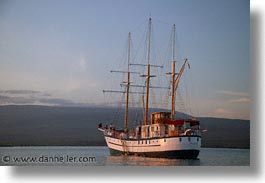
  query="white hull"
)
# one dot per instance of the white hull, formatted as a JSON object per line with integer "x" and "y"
{"x": 167, "y": 147}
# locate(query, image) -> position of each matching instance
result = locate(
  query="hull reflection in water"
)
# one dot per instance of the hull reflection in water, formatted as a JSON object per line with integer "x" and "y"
{"x": 145, "y": 161}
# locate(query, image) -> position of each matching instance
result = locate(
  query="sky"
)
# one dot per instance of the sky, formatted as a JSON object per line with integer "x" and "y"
{"x": 60, "y": 52}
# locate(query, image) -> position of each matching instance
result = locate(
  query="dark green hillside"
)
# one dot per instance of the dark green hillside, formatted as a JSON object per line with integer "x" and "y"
{"x": 77, "y": 126}
{"x": 226, "y": 132}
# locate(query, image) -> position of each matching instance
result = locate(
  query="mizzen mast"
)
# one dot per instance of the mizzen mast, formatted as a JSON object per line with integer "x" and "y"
{"x": 175, "y": 80}
{"x": 173, "y": 74}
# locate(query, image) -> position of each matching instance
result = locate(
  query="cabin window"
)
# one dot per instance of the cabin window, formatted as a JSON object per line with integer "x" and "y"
{"x": 180, "y": 139}
{"x": 189, "y": 138}
{"x": 146, "y": 142}
{"x": 165, "y": 140}
{"x": 197, "y": 139}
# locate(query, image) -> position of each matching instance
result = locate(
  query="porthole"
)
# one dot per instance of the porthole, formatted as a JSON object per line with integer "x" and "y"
{"x": 180, "y": 139}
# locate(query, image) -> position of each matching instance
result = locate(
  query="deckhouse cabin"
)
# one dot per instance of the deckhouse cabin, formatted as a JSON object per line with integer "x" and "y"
{"x": 159, "y": 117}
{"x": 161, "y": 125}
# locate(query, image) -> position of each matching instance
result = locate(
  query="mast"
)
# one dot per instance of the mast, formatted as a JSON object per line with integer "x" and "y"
{"x": 148, "y": 73}
{"x": 173, "y": 74}
{"x": 147, "y": 95}
{"x": 175, "y": 80}
{"x": 147, "y": 76}
{"x": 127, "y": 84}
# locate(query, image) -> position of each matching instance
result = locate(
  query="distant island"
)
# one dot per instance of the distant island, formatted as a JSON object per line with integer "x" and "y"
{"x": 77, "y": 126}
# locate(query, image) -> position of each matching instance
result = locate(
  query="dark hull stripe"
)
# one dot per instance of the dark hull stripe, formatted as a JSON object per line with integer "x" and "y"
{"x": 176, "y": 154}
{"x": 133, "y": 146}
{"x": 155, "y": 138}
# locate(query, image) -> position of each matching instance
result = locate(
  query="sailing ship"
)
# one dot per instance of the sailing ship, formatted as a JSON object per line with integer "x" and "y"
{"x": 161, "y": 135}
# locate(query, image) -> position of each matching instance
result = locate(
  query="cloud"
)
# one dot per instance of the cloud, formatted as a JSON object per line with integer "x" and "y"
{"x": 240, "y": 100}
{"x": 232, "y": 93}
{"x": 22, "y": 92}
{"x": 57, "y": 102}
{"x": 25, "y": 97}
{"x": 82, "y": 64}
{"x": 244, "y": 97}
{"x": 223, "y": 111}
{"x": 6, "y": 100}
{"x": 233, "y": 113}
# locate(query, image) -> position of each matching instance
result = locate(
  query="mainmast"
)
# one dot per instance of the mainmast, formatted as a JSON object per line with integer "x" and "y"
{"x": 127, "y": 84}
{"x": 148, "y": 73}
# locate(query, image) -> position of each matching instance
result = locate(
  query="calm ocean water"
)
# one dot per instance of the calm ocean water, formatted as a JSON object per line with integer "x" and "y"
{"x": 99, "y": 155}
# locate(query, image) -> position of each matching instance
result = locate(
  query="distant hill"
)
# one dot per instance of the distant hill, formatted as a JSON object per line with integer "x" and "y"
{"x": 77, "y": 126}
{"x": 234, "y": 133}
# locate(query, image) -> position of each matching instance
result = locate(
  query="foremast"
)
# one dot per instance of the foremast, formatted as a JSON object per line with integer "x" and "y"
{"x": 126, "y": 83}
